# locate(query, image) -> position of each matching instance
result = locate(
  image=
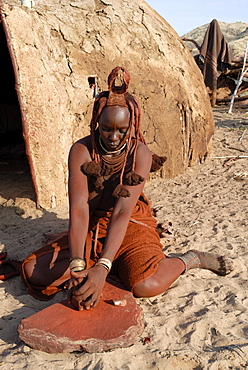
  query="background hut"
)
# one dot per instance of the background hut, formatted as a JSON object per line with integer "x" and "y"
{"x": 59, "y": 49}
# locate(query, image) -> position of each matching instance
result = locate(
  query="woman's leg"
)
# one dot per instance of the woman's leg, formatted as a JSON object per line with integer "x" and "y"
{"x": 42, "y": 272}
{"x": 169, "y": 269}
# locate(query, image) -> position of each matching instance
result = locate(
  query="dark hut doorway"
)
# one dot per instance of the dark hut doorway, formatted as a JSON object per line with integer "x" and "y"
{"x": 14, "y": 167}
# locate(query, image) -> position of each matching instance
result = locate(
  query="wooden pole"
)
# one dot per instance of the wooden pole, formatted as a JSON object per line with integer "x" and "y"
{"x": 243, "y": 72}
{"x": 213, "y": 100}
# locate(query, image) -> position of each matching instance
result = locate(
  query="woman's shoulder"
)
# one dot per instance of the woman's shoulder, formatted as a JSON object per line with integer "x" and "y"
{"x": 143, "y": 150}
{"x": 81, "y": 149}
{"x": 143, "y": 159}
{"x": 85, "y": 141}
{"x": 82, "y": 145}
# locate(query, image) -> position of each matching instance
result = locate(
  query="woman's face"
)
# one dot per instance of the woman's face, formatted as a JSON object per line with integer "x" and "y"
{"x": 114, "y": 126}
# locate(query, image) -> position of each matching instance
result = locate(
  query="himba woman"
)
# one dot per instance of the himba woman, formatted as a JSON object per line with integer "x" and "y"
{"x": 111, "y": 228}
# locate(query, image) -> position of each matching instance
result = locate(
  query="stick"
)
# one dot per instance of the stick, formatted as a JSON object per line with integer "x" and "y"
{"x": 230, "y": 156}
{"x": 229, "y": 160}
{"x": 241, "y": 137}
{"x": 243, "y": 72}
{"x": 193, "y": 41}
{"x": 226, "y": 100}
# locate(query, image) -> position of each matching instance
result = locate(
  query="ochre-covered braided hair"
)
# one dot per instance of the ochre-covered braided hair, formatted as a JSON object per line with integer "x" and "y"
{"x": 117, "y": 94}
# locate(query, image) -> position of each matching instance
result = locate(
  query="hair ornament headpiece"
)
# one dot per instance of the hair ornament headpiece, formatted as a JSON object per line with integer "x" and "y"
{"x": 118, "y": 82}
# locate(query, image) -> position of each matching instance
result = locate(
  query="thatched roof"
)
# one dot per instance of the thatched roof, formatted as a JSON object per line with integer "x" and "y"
{"x": 58, "y": 45}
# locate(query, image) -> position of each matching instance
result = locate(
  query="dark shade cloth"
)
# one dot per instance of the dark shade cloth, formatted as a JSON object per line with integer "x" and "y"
{"x": 136, "y": 259}
{"x": 217, "y": 54}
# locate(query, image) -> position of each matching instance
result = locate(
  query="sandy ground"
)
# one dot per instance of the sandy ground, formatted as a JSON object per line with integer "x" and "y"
{"x": 202, "y": 321}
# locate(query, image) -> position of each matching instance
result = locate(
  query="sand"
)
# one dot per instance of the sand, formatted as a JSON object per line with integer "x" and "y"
{"x": 201, "y": 322}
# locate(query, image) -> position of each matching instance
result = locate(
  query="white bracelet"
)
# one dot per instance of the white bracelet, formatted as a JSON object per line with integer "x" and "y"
{"x": 105, "y": 263}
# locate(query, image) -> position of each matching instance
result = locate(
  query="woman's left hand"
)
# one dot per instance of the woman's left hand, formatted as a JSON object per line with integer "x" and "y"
{"x": 86, "y": 287}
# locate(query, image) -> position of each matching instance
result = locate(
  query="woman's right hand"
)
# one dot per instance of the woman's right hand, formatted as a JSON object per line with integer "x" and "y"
{"x": 73, "y": 284}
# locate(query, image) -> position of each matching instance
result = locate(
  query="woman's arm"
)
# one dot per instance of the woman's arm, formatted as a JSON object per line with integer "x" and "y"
{"x": 78, "y": 200}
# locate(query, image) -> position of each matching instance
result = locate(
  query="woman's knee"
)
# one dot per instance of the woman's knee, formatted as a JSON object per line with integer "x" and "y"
{"x": 35, "y": 274}
{"x": 147, "y": 288}
{"x": 28, "y": 268}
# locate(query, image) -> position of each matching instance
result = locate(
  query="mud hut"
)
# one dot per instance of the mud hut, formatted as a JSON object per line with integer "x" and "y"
{"x": 60, "y": 49}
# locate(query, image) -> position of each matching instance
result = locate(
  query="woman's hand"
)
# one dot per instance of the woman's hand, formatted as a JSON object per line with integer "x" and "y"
{"x": 85, "y": 287}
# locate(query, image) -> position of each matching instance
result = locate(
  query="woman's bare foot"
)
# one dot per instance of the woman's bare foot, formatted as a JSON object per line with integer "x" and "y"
{"x": 210, "y": 261}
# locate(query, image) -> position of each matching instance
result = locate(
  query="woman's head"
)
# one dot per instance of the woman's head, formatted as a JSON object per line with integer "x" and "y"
{"x": 118, "y": 102}
{"x": 114, "y": 126}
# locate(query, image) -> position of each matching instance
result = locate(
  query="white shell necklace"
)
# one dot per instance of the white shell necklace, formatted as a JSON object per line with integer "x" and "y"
{"x": 111, "y": 151}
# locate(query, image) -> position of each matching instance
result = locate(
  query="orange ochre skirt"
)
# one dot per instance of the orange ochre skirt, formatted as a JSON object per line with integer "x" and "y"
{"x": 136, "y": 259}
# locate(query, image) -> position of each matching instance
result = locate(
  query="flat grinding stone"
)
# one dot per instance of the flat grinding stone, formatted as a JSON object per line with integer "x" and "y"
{"x": 61, "y": 328}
